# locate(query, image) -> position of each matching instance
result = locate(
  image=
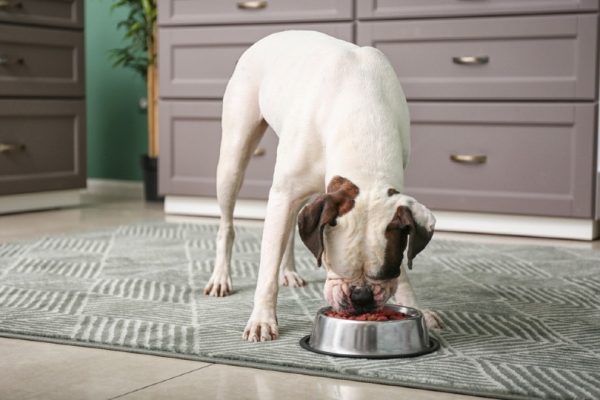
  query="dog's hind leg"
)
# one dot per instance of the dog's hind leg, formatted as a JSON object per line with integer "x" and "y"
{"x": 242, "y": 129}
{"x": 287, "y": 271}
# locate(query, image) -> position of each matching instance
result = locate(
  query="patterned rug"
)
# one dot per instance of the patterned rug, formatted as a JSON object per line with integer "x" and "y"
{"x": 522, "y": 321}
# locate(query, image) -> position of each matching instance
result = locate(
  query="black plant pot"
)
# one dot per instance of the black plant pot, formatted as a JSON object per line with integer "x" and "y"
{"x": 150, "y": 169}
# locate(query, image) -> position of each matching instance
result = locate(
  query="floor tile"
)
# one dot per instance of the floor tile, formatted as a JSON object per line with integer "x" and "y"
{"x": 36, "y": 370}
{"x": 228, "y": 382}
{"x": 90, "y": 216}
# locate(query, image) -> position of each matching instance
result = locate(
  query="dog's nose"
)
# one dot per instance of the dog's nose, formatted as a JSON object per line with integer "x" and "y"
{"x": 362, "y": 297}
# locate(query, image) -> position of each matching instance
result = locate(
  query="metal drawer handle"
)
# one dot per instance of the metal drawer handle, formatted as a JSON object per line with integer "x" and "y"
{"x": 261, "y": 151}
{"x": 469, "y": 158}
{"x": 471, "y": 60}
{"x": 252, "y": 5}
{"x": 5, "y": 60}
{"x": 11, "y": 147}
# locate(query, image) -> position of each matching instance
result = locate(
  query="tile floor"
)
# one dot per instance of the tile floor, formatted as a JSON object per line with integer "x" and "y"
{"x": 36, "y": 370}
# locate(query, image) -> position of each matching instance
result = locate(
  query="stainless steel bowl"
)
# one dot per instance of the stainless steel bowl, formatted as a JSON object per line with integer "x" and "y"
{"x": 370, "y": 339}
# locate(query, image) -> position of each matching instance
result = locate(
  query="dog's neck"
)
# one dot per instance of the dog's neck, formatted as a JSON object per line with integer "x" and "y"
{"x": 366, "y": 147}
{"x": 385, "y": 169}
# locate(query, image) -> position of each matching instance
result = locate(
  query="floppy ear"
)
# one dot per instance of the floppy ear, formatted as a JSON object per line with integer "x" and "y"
{"x": 324, "y": 211}
{"x": 419, "y": 236}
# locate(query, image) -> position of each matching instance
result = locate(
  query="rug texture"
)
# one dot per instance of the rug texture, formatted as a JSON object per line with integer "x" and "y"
{"x": 521, "y": 321}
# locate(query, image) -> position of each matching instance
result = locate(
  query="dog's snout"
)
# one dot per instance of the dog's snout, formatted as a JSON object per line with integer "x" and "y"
{"x": 362, "y": 297}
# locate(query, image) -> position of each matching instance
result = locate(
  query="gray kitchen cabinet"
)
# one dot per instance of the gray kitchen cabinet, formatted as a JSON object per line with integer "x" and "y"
{"x": 534, "y": 159}
{"x": 509, "y": 58}
{"x": 502, "y": 94}
{"x": 42, "y": 100}
{"x": 191, "y": 133}
{"x": 385, "y": 9}
{"x": 42, "y": 145}
{"x": 203, "y": 12}
{"x": 196, "y": 62}
{"x": 54, "y": 13}
{"x": 41, "y": 62}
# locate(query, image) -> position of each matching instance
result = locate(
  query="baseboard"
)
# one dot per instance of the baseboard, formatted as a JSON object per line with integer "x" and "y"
{"x": 208, "y": 207}
{"x": 518, "y": 225}
{"x": 497, "y": 224}
{"x": 39, "y": 201}
{"x": 116, "y": 188}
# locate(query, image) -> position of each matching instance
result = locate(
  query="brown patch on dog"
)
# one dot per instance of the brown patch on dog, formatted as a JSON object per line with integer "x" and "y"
{"x": 400, "y": 231}
{"x": 323, "y": 211}
{"x": 396, "y": 235}
{"x": 392, "y": 191}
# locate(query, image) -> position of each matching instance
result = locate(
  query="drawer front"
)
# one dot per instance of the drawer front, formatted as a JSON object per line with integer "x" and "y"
{"x": 198, "y": 62}
{"x": 42, "y": 145}
{"x": 190, "y": 136}
{"x": 539, "y": 157}
{"x": 41, "y": 62}
{"x": 60, "y": 13}
{"x": 185, "y": 12}
{"x": 521, "y": 58}
{"x": 374, "y": 9}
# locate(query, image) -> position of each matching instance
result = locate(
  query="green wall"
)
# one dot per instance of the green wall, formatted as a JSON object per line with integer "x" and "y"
{"x": 116, "y": 127}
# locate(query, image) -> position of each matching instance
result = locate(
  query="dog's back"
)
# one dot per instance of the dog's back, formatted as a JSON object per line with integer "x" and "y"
{"x": 320, "y": 81}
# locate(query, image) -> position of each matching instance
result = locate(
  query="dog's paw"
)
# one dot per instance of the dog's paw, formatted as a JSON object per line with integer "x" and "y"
{"x": 291, "y": 279}
{"x": 261, "y": 327}
{"x": 219, "y": 285}
{"x": 432, "y": 319}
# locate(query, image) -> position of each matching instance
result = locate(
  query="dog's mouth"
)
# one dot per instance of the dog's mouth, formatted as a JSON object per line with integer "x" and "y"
{"x": 342, "y": 296}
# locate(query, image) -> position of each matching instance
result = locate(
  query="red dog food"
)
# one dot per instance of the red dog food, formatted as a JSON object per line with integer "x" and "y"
{"x": 387, "y": 314}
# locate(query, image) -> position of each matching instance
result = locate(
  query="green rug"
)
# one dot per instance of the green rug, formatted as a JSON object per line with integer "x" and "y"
{"x": 521, "y": 321}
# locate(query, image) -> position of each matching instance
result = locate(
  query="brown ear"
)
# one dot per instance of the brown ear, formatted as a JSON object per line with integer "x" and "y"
{"x": 323, "y": 211}
{"x": 419, "y": 235}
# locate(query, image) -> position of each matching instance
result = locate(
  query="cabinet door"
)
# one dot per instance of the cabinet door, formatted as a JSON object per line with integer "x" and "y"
{"x": 535, "y": 159}
{"x": 59, "y": 13}
{"x": 198, "y": 62}
{"x": 202, "y": 12}
{"x": 41, "y": 62}
{"x": 375, "y": 9}
{"x": 511, "y": 58}
{"x": 42, "y": 145}
{"x": 190, "y": 135}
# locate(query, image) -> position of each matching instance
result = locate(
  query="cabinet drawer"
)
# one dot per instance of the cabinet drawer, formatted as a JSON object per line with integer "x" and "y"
{"x": 41, "y": 62}
{"x": 42, "y": 145}
{"x": 520, "y": 58}
{"x": 374, "y": 9}
{"x": 198, "y": 62}
{"x": 190, "y": 136}
{"x": 185, "y": 12}
{"x": 60, "y": 13}
{"x": 539, "y": 157}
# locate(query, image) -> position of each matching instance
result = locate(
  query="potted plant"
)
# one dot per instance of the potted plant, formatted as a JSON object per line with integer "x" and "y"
{"x": 139, "y": 54}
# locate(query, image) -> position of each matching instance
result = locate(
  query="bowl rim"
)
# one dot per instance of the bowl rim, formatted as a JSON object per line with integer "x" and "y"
{"x": 416, "y": 314}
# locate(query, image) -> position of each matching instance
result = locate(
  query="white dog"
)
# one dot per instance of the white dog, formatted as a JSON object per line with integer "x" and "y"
{"x": 343, "y": 128}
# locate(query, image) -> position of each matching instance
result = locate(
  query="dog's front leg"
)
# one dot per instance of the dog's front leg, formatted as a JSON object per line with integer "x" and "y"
{"x": 405, "y": 296}
{"x": 281, "y": 209}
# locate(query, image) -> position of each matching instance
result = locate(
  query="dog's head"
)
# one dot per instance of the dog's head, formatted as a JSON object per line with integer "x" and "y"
{"x": 361, "y": 238}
